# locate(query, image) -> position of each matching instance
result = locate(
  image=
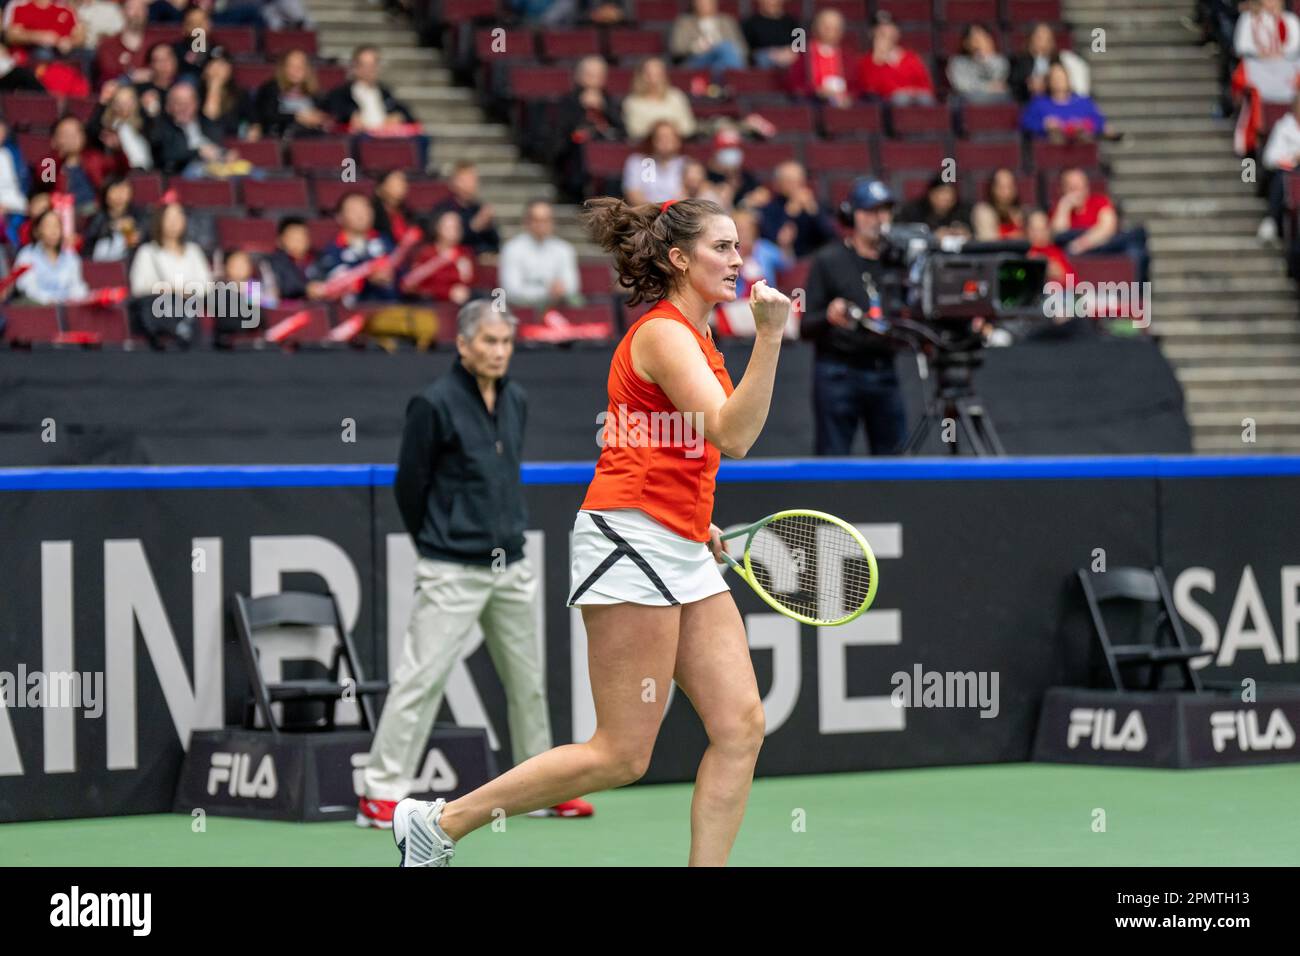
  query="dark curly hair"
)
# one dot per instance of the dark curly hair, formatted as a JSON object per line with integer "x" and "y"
{"x": 639, "y": 238}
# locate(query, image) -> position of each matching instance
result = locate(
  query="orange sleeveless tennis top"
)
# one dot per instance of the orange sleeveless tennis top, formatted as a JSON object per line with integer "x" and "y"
{"x": 655, "y": 459}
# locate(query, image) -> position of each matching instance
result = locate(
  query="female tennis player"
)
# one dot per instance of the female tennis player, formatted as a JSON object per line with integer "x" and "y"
{"x": 645, "y": 555}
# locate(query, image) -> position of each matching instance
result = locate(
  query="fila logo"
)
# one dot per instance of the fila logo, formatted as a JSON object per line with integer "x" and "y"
{"x": 233, "y": 769}
{"x": 1097, "y": 726}
{"x": 437, "y": 774}
{"x": 1243, "y": 726}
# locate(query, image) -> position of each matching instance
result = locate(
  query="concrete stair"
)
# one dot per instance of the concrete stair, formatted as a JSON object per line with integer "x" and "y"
{"x": 1224, "y": 310}
{"x": 457, "y": 126}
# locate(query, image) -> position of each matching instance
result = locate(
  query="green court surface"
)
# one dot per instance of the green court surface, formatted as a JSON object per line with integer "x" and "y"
{"x": 1007, "y": 814}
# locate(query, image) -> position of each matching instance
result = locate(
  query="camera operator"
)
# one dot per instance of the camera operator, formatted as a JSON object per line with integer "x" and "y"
{"x": 854, "y": 378}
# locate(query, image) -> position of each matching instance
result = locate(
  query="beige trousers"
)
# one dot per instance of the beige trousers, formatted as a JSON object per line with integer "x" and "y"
{"x": 449, "y": 599}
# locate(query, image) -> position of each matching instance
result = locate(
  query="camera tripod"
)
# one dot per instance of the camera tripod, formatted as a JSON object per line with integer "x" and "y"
{"x": 955, "y": 407}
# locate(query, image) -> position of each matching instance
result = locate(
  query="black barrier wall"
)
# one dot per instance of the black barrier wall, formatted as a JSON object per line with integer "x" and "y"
{"x": 976, "y": 562}
{"x": 117, "y": 408}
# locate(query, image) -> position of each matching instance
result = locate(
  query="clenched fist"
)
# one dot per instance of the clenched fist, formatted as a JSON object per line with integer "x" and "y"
{"x": 770, "y": 307}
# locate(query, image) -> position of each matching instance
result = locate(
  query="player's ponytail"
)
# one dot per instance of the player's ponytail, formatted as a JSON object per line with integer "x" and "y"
{"x": 639, "y": 237}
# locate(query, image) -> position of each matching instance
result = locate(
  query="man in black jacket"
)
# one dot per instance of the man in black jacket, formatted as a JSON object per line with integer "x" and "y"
{"x": 365, "y": 105}
{"x": 458, "y": 489}
{"x": 854, "y": 378}
{"x": 183, "y": 140}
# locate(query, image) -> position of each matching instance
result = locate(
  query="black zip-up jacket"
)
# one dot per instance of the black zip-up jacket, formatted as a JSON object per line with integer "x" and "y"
{"x": 458, "y": 484}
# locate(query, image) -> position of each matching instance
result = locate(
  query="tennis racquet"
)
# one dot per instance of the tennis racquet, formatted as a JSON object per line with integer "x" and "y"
{"x": 808, "y": 565}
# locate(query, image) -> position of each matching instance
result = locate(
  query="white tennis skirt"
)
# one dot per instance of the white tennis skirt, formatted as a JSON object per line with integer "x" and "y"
{"x": 625, "y": 556}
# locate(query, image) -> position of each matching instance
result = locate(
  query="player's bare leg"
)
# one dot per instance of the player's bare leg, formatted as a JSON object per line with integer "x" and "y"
{"x": 715, "y": 671}
{"x": 628, "y": 646}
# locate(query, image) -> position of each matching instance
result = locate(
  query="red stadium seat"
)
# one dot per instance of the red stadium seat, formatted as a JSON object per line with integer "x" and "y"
{"x": 853, "y": 156}
{"x": 33, "y": 146}
{"x": 618, "y": 82}
{"x": 1049, "y": 157}
{"x": 854, "y": 11}
{"x": 251, "y": 235}
{"x": 28, "y": 110}
{"x": 712, "y": 109}
{"x": 797, "y": 119}
{"x": 920, "y": 121}
{"x": 318, "y": 154}
{"x": 331, "y": 75}
{"x": 162, "y": 33}
{"x": 206, "y": 193}
{"x": 289, "y": 193}
{"x": 236, "y": 41}
{"x": 317, "y": 328}
{"x": 971, "y": 11}
{"x": 605, "y": 160}
{"x": 486, "y": 276}
{"x": 276, "y": 43}
{"x": 323, "y": 231}
{"x": 103, "y": 275}
{"x": 423, "y": 194}
{"x": 919, "y": 41}
{"x": 907, "y": 11}
{"x": 29, "y": 324}
{"x": 465, "y": 10}
{"x": 147, "y": 188}
{"x": 859, "y": 120}
{"x": 329, "y": 191}
{"x": 262, "y": 153}
{"x": 108, "y": 322}
{"x": 987, "y": 155}
{"x": 497, "y": 43}
{"x": 989, "y": 119}
{"x": 795, "y": 277}
{"x": 1031, "y": 11}
{"x": 595, "y": 278}
{"x": 539, "y": 82}
{"x": 657, "y": 11}
{"x": 634, "y": 44}
{"x": 249, "y": 76}
{"x": 570, "y": 44}
{"x": 752, "y": 82}
{"x": 898, "y": 157}
{"x": 82, "y": 107}
{"x": 381, "y": 155}
{"x": 762, "y": 158}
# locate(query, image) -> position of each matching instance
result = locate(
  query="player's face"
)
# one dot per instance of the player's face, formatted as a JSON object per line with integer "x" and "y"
{"x": 716, "y": 262}
{"x": 488, "y": 352}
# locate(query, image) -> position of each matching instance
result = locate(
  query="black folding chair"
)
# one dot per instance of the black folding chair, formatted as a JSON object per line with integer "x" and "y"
{"x": 300, "y": 609}
{"x": 1158, "y": 648}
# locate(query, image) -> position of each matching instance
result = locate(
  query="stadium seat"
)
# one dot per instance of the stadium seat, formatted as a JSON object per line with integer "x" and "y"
{"x": 561, "y": 44}
{"x": 250, "y": 235}
{"x": 322, "y": 231}
{"x": 205, "y": 193}
{"x": 236, "y": 41}
{"x": 107, "y": 322}
{"x": 987, "y": 155}
{"x": 919, "y": 121}
{"x": 497, "y": 44}
{"x": 423, "y": 194}
{"x": 30, "y": 324}
{"x": 310, "y": 155}
{"x": 539, "y": 82}
{"x": 262, "y": 153}
{"x": 33, "y": 146}
{"x": 249, "y": 76}
{"x": 754, "y": 82}
{"x": 859, "y": 120}
{"x": 789, "y": 120}
{"x": 329, "y": 191}
{"x": 286, "y": 193}
{"x": 989, "y": 119}
{"x": 147, "y": 188}
{"x": 1049, "y": 157}
{"x": 103, "y": 275}
{"x": 595, "y": 278}
{"x": 28, "y": 110}
{"x": 824, "y": 157}
{"x": 381, "y": 155}
{"x": 970, "y": 11}
{"x": 82, "y": 107}
{"x": 329, "y": 75}
{"x": 276, "y": 43}
{"x": 162, "y": 33}
{"x": 853, "y": 11}
{"x": 898, "y": 156}
{"x": 657, "y": 11}
{"x": 906, "y": 11}
{"x": 633, "y": 44}
{"x": 1032, "y": 11}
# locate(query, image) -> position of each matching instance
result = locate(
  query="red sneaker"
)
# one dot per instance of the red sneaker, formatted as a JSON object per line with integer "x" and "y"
{"x": 376, "y": 813}
{"x": 576, "y": 807}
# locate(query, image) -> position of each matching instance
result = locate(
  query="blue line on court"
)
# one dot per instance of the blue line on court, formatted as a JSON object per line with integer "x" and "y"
{"x": 577, "y": 473}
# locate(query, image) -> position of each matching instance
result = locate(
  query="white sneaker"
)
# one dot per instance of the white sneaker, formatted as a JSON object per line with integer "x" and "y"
{"x": 1267, "y": 232}
{"x": 419, "y": 839}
